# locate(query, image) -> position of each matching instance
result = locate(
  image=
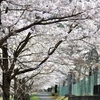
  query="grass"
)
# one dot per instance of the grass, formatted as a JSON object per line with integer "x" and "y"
{"x": 34, "y": 97}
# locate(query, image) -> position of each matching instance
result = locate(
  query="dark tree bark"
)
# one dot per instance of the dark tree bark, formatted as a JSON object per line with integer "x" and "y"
{"x": 1, "y": 1}
{"x": 15, "y": 88}
{"x": 7, "y": 70}
{"x": 6, "y": 86}
{"x": 6, "y": 74}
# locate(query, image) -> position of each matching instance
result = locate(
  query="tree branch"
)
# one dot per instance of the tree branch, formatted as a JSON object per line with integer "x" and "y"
{"x": 50, "y": 52}
{"x": 20, "y": 47}
{"x": 43, "y": 61}
{"x": 43, "y": 22}
{"x": 1, "y": 86}
{"x": 1, "y": 1}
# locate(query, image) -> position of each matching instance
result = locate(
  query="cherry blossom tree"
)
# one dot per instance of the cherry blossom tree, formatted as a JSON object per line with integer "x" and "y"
{"x": 33, "y": 30}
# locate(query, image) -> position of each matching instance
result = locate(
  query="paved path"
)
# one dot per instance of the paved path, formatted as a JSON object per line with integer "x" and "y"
{"x": 44, "y": 96}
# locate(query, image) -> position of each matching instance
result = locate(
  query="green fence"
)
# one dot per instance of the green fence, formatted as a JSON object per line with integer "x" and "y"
{"x": 83, "y": 87}
{"x": 63, "y": 90}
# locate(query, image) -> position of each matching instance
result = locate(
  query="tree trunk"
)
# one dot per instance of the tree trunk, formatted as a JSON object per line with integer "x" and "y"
{"x": 6, "y": 74}
{"x": 6, "y": 86}
{"x": 15, "y": 89}
{"x": 22, "y": 90}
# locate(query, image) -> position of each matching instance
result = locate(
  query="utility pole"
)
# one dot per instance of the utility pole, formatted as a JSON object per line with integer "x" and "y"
{"x": 70, "y": 83}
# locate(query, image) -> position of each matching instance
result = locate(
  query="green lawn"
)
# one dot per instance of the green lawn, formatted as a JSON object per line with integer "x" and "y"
{"x": 34, "y": 97}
